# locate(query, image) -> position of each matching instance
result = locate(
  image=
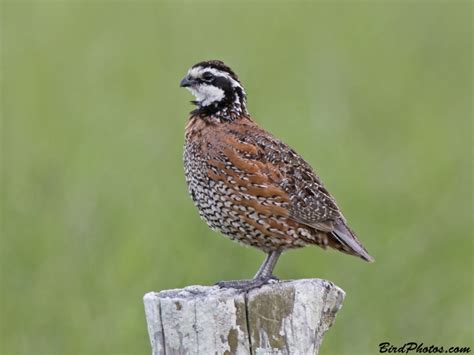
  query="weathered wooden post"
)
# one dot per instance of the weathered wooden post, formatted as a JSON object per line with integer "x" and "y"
{"x": 285, "y": 317}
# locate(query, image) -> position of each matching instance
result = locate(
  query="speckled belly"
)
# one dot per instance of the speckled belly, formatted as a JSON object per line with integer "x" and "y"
{"x": 227, "y": 210}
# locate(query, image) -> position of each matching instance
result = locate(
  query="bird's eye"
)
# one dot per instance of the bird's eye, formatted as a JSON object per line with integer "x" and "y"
{"x": 207, "y": 76}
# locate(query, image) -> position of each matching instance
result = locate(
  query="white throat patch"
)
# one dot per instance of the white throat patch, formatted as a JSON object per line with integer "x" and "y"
{"x": 207, "y": 94}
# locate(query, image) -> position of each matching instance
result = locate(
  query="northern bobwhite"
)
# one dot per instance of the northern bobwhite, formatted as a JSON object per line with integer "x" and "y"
{"x": 249, "y": 185}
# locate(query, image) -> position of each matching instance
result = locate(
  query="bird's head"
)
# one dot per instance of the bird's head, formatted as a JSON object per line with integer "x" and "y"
{"x": 217, "y": 89}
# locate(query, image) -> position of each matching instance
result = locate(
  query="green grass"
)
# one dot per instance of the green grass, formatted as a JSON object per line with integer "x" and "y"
{"x": 377, "y": 96}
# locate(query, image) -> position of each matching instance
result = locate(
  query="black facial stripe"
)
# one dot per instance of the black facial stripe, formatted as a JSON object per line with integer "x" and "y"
{"x": 223, "y": 83}
{"x": 218, "y": 81}
{"x": 207, "y": 76}
{"x": 240, "y": 93}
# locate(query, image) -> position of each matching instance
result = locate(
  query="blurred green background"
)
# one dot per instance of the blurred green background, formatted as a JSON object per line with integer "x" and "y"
{"x": 375, "y": 95}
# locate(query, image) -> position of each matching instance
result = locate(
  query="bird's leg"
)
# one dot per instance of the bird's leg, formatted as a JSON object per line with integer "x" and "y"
{"x": 266, "y": 269}
{"x": 263, "y": 275}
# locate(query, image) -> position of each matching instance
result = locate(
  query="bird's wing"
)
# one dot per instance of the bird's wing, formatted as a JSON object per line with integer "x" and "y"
{"x": 310, "y": 203}
{"x": 273, "y": 179}
{"x": 267, "y": 167}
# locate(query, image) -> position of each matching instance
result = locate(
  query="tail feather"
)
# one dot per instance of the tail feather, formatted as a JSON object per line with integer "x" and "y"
{"x": 348, "y": 239}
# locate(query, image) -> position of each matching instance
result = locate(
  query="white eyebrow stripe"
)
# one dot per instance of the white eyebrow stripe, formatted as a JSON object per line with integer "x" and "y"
{"x": 198, "y": 71}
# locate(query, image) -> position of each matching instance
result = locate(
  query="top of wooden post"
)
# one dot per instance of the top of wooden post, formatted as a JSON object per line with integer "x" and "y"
{"x": 285, "y": 317}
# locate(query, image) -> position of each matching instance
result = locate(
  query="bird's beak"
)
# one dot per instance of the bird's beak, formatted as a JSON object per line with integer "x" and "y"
{"x": 186, "y": 82}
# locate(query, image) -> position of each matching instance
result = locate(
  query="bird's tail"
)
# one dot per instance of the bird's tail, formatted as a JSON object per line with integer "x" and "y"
{"x": 350, "y": 244}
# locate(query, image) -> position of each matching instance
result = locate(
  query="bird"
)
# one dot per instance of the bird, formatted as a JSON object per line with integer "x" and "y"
{"x": 249, "y": 185}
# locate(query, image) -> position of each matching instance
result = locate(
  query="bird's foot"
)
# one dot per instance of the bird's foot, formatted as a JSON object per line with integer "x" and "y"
{"x": 246, "y": 285}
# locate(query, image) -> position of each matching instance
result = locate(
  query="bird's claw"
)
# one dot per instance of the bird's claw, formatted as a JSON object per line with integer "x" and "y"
{"x": 246, "y": 285}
